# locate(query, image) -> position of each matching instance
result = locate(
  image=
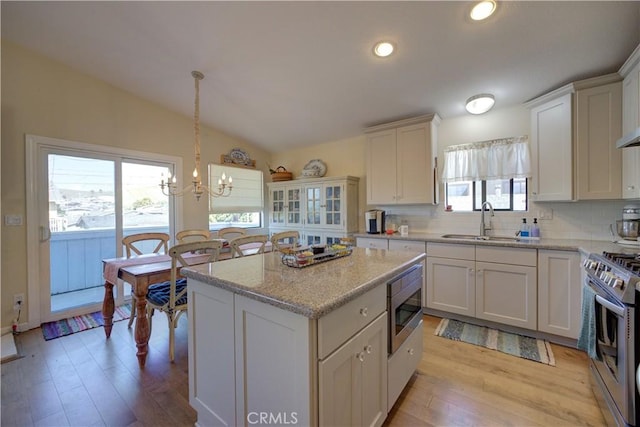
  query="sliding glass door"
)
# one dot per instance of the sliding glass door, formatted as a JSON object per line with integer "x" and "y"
{"x": 90, "y": 200}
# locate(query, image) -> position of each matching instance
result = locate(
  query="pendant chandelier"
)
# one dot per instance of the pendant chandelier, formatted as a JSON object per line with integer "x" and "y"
{"x": 170, "y": 186}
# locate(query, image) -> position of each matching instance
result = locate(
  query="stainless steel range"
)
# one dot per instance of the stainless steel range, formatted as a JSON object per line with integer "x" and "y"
{"x": 614, "y": 277}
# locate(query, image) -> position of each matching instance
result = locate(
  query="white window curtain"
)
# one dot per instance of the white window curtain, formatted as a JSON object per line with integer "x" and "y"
{"x": 247, "y": 193}
{"x": 505, "y": 158}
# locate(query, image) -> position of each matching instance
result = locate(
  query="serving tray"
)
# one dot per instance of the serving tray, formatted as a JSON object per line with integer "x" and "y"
{"x": 298, "y": 258}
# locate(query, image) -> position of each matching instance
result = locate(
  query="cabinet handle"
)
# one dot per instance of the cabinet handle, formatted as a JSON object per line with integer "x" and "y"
{"x": 323, "y": 206}
{"x": 364, "y": 311}
{"x": 368, "y": 349}
{"x": 472, "y": 271}
{"x": 410, "y": 351}
{"x": 631, "y": 187}
{"x": 360, "y": 356}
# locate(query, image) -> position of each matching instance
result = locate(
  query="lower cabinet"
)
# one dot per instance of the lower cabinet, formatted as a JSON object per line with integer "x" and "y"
{"x": 487, "y": 282}
{"x": 559, "y": 292}
{"x": 372, "y": 243}
{"x": 353, "y": 379}
{"x": 250, "y": 361}
{"x": 402, "y": 364}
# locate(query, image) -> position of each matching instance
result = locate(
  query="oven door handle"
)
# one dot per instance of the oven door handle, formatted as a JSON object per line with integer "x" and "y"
{"x": 610, "y": 306}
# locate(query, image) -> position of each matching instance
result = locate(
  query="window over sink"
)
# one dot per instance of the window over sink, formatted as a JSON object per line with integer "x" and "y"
{"x": 503, "y": 194}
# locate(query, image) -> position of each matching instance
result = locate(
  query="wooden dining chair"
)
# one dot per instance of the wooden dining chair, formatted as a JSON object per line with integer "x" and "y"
{"x": 194, "y": 235}
{"x": 171, "y": 297}
{"x": 284, "y": 240}
{"x": 229, "y": 233}
{"x": 138, "y": 244}
{"x": 251, "y": 243}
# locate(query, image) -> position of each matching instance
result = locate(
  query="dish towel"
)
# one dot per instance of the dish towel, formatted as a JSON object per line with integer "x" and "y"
{"x": 587, "y": 338}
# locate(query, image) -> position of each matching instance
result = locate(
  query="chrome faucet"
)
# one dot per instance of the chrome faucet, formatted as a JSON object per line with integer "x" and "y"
{"x": 483, "y": 226}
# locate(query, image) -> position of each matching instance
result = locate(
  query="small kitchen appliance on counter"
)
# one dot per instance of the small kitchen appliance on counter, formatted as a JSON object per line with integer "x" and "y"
{"x": 628, "y": 228}
{"x": 374, "y": 221}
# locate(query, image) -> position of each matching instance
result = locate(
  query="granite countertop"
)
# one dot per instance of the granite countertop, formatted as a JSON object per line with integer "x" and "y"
{"x": 311, "y": 291}
{"x": 584, "y": 246}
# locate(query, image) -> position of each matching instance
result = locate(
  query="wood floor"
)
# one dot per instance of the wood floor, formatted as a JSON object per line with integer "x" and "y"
{"x": 85, "y": 380}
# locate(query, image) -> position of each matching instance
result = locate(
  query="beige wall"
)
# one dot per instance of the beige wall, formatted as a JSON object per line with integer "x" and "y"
{"x": 46, "y": 98}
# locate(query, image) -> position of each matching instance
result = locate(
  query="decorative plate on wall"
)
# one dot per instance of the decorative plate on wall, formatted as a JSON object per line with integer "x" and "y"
{"x": 238, "y": 157}
{"x": 315, "y": 168}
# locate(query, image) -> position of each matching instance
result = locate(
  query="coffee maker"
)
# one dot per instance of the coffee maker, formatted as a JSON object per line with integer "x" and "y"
{"x": 374, "y": 221}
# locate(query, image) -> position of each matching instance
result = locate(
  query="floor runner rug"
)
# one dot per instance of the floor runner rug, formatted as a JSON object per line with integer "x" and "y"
{"x": 69, "y": 326}
{"x": 505, "y": 342}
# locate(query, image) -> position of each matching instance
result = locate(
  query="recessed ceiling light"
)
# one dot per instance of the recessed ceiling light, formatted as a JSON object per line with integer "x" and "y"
{"x": 383, "y": 49}
{"x": 483, "y": 10}
{"x": 479, "y": 104}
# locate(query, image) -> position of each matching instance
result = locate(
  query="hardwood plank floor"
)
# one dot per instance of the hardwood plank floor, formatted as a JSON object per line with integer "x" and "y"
{"x": 85, "y": 380}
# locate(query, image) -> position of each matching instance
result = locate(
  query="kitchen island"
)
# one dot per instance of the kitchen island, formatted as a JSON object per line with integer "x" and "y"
{"x": 273, "y": 344}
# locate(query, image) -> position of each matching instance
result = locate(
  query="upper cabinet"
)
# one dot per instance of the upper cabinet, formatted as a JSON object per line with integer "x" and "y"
{"x": 401, "y": 162}
{"x": 630, "y": 72}
{"x": 573, "y": 134}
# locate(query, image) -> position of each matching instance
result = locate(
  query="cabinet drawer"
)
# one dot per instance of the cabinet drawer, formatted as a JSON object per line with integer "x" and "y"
{"x": 451, "y": 250}
{"x": 402, "y": 364}
{"x": 372, "y": 243}
{"x": 407, "y": 245}
{"x": 514, "y": 256}
{"x": 341, "y": 324}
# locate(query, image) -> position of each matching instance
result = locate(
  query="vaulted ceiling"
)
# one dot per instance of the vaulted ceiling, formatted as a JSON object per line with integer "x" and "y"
{"x": 287, "y": 74}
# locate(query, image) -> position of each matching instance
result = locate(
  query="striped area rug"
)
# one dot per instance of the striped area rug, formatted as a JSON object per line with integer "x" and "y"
{"x": 69, "y": 326}
{"x": 505, "y": 342}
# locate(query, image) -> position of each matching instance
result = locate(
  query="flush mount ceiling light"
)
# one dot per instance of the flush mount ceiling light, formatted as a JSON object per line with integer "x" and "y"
{"x": 479, "y": 104}
{"x": 483, "y": 10}
{"x": 383, "y": 49}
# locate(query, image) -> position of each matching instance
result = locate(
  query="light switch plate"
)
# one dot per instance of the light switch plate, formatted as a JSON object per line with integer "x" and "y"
{"x": 545, "y": 213}
{"x": 13, "y": 220}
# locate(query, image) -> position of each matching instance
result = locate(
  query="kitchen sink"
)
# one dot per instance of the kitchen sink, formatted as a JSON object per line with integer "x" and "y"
{"x": 477, "y": 237}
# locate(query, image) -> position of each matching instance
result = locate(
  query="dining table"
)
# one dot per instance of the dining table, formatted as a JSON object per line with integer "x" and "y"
{"x": 140, "y": 272}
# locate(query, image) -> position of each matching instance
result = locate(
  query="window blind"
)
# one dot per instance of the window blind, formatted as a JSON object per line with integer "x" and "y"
{"x": 505, "y": 158}
{"x": 247, "y": 193}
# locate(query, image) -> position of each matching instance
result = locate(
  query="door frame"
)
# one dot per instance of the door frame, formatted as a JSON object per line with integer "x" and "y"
{"x": 36, "y": 219}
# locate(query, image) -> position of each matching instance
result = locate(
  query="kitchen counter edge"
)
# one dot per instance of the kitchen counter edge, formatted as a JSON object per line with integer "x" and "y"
{"x": 318, "y": 310}
{"x": 584, "y": 246}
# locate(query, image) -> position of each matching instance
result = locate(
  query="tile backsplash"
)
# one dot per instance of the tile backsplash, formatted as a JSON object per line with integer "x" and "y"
{"x": 578, "y": 220}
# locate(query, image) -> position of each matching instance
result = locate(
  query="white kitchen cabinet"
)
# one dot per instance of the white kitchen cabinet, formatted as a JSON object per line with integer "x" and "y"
{"x": 401, "y": 162}
{"x": 372, "y": 243}
{"x": 407, "y": 245}
{"x": 285, "y": 205}
{"x": 323, "y": 210}
{"x": 252, "y": 344}
{"x": 551, "y": 149}
{"x": 507, "y": 294}
{"x": 451, "y": 285}
{"x": 630, "y": 71}
{"x": 559, "y": 292}
{"x": 573, "y": 135}
{"x": 598, "y": 125}
{"x": 486, "y": 282}
{"x": 353, "y": 379}
{"x": 402, "y": 364}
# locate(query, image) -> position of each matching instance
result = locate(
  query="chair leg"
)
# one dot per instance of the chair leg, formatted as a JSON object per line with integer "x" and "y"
{"x": 150, "y": 317}
{"x": 172, "y": 337}
{"x": 132, "y": 316}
